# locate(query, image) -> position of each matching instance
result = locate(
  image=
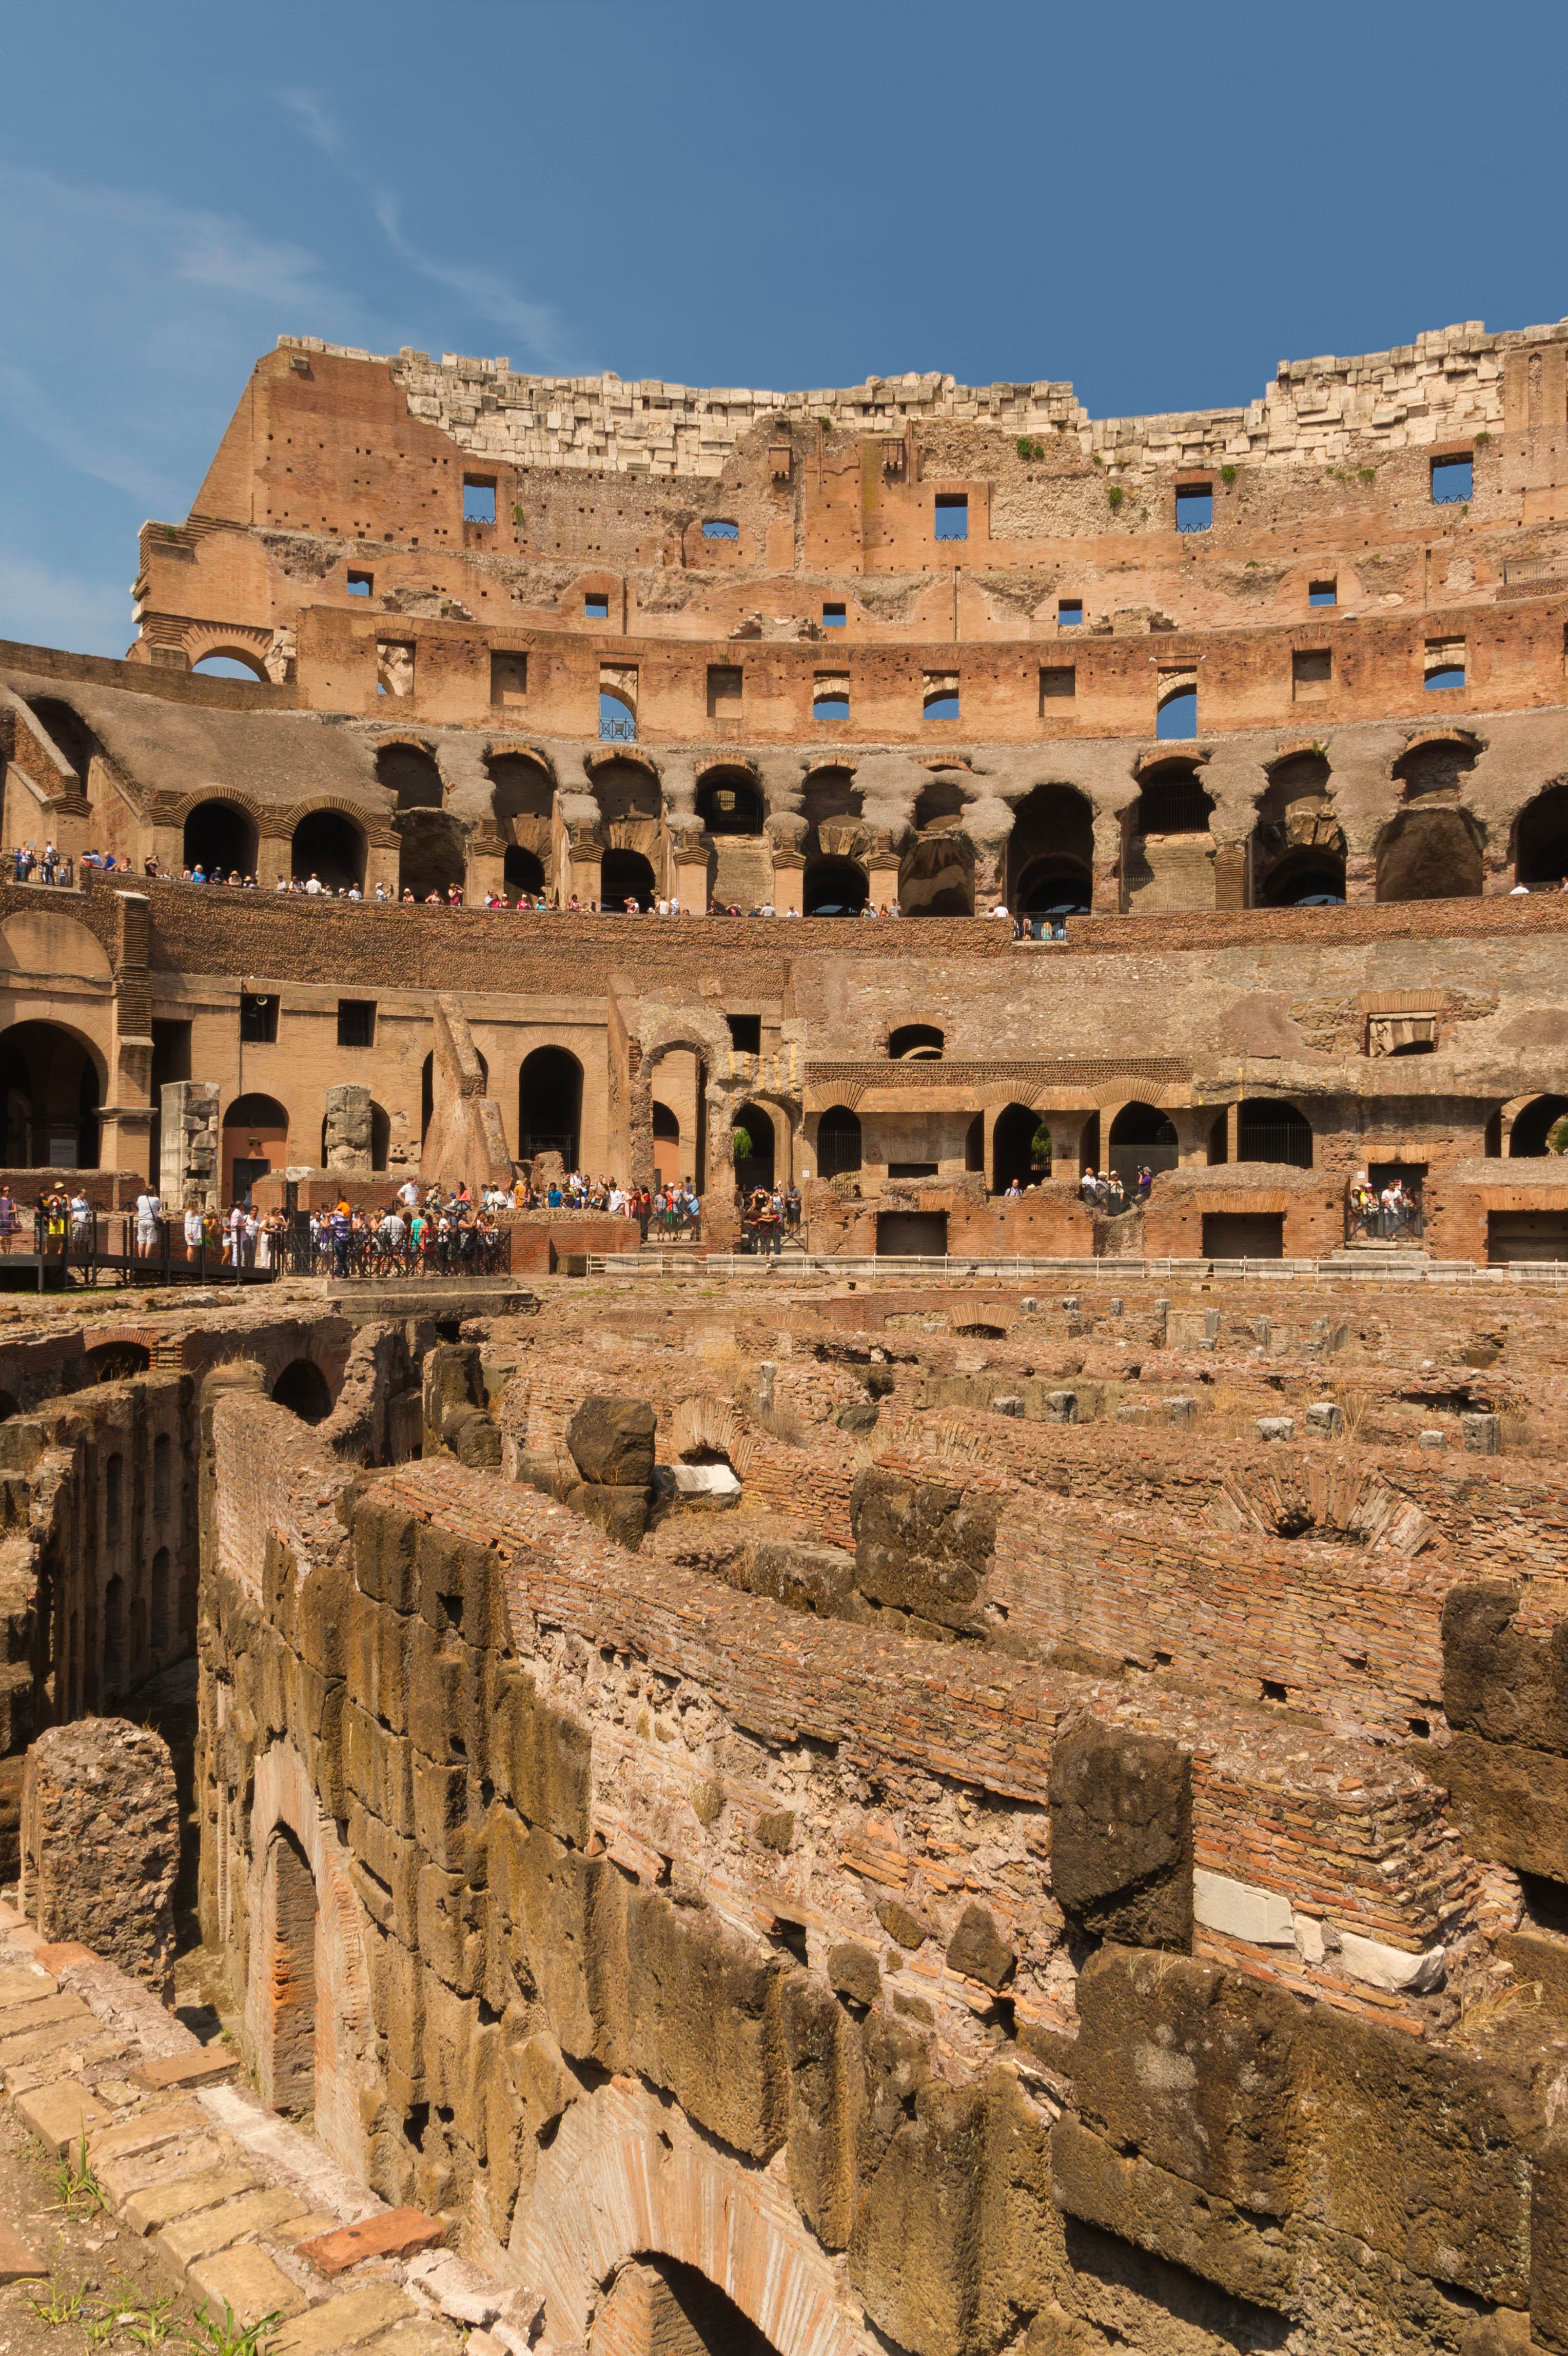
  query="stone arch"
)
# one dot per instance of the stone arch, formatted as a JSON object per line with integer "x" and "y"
{"x": 935, "y": 878}
{"x": 835, "y": 887}
{"x": 343, "y": 2034}
{"x": 1013, "y": 1136}
{"x": 1541, "y": 837}
{"x": 1437, "y": 762}
{"x": 329, "y": 840}
{"x": 1142, "y": 1136}
{"x": 1429, "y": 852}
{"x": 52, "y": 1079}
{"x": 1298, "y": 845}
{"x": 1533, "y": 1123}
{"x": 701, "y": 1031}
{"x": 1050, "y": 851}
{"x": 626, "y": 2176}
{"x": 550, "y": 1104}
{"x": 839, "y": 1144}
{"x": 625, "y": 874}
{"x": 305, "y": 1390}
{"x": 626, "y": 785}
{"x": 708, "y": 1426}
{"x": 1329, "y": 1499}
{"x": 730, "y": 800}
{"x": 249, "y": 647}
{"x": 408, "y": 770}
{"x": 522, "y": 795}
{"x": 220, "y": 831}
{"x": 432, "y": 851}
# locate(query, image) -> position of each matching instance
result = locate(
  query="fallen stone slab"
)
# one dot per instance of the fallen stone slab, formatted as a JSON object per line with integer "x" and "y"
{"x": 344, "y": 2323}
{"x": 209, "y": 2066}
{"x": 273, "y": 2211}
{"x": 249, "y": 2282}
{"x": 19, "y": 2262}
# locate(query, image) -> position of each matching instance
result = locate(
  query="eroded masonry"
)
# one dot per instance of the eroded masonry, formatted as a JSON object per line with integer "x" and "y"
{"x": 997, "y": 1787}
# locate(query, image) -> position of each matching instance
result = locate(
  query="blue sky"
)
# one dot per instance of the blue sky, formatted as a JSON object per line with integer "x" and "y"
{"x": 1156, "y": 203}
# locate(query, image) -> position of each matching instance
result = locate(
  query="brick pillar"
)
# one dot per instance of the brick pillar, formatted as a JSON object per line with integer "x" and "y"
{"x": 788, "y": 883}
{"x": 692, "y": 880}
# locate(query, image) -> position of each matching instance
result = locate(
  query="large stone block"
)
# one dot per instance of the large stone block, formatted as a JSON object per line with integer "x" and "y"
{"x": 620, "y": 1511}
{"x": 101, "y": 1844}
{"x": 544, "y": 1758}
{"x": 1129, "y": 2196}
{"x": 920, "y": 1546}
{"x": 702, "y": 2020}
{"x": 611, "y": 1440}
{"x": 1191, "y": 2065}
{"x": 385, "y": 1541}
{"x": 811, "y": 1579}
{"x": 1509, "y": 1802}
{"x": 1121, "y": 1807}
{"x": 1499, "y": 1682}
{"x": 821, "y": 2059}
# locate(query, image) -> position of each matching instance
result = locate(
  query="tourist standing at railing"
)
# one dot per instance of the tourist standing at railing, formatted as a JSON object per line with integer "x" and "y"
{"x": 80, "y": 1220}
{"x": 8, "y": 1221}
{"x": 57, "y": 1211}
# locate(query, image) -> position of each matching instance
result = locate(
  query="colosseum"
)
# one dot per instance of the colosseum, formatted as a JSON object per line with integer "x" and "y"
{"x": 968, "y": 1786}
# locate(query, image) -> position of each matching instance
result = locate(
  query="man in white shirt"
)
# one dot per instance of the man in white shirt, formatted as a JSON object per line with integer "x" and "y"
{"x": 314, "y": 886}
{"x": 149, "y": 1211}
{"x": 408, "y": 1194}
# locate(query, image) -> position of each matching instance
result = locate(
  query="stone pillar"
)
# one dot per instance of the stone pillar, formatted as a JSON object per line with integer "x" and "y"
{"x": 584, "y": 866}
{"x": 1066, "y": 1140}
{"x": 274, "y": 857}
{"x": 1231, "y": 876}
{"x": 348, "y": 1128}
{"x": 191, "y": 1140}
{"x": 380, "y": 867}
{"x": 690, "y": 867}
{"x": 882, "y": 879}
{"x": 1194, "y": 1125}
{"x": 101, "y": 1844}
{"x": 788, "y": 883}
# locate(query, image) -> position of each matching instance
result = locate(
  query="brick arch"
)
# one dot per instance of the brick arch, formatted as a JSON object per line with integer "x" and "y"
{"x": 627, "y": 2176}
{"x": 377, "y": 834}
{"x": 345, "y": 2069}
{"x": 174, "y": 813}
{"x": 1327, "y": 1498}
{"x": 1186, "y": 750}
{"x": 520, "y": 748}
{"x": 242, "y": 640}
{"x": 601, "y": 756}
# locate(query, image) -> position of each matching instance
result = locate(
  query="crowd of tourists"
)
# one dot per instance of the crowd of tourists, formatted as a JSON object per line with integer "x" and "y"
{"x": 1104, "y": 1191}
{"x": 1385, "y": 1214}
{"x": 769, "y": 1215}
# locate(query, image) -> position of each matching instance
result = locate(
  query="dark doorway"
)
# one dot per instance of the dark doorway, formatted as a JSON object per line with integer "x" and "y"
{"x": 1270, "y": 1130}
{"x": 221, "y": 839}
{"x": 523, "y": 871}
{"x": 921, "y": 1235}
{"x": 1533, "y": 1125}
{"x": 430, "y": 857}
{"x": 49, "y": 1087}
{"x": 302, "y": 1387}
{"x": 330, "y": 847}
{"x": 1243, "y": 1235}
{"x": 838, "y": 1142}
{"x": 834, "y": 887}
{"x": 550, "y": 1105}
{"x": 1014, "y": 1150}
{"x": 626, "y": 875}
{"x": 1141, "y": 1137}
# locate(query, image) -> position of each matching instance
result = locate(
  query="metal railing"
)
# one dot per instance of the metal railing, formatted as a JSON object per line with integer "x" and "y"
{"x": 375, "y": 1255}
{"x": 1050, "y": 1274}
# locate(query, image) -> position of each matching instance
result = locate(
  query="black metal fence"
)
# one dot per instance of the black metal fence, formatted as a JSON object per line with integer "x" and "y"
{"x": 49, "y": 1245}
{"x": 378, "y": 1253}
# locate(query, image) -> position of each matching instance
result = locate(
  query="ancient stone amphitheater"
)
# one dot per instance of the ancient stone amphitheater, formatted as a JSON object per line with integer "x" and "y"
{"x": 997, "y": 1784}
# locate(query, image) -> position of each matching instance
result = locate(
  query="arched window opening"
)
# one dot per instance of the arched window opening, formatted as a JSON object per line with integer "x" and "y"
{"x": 625, "y": 790}
{"x": 751, "y": 1132}
{"x": 521, "y": 872}
{"x": 1304, "y": 879}
{"x": 939, "y": 803}
{"x": 1540, "y": 853}
{"x": 1429, "y": 855}
{"x": 830, "y": 794}
{"x": 520, "y": 788}
{"x": 935, "y": 878}
{"x": 617, "y": 718}
{"x": 1171, "y": 801}
{"x": 730, "y": 804}
{"x": 410, "y": 776}
{"x": 161, "y": 1631}
{"x": 114, "y": 1499}
{"x": 221, "y": 839}
{"x": 550, "y": 1105}
{"x": 838, "y": 1142}
{"x": 913, "y": 1041}
{"x": 1141, "y": 1137}
{"x": 1440, "y": 767}
{"x": 290, "y": 2081}
{"x": 431, "y": 853}
{"x": 834, "y": 887}
{"x": 51, "y": 1088}
{"x": 114, "y": 1361}
{"x": 328, "y": 845}
{"x": 1050, "y": 852}
{"x": 302, "y": 1387}
{"x": 380, "y": 1136}
{"x": 163, "y": 1452}
{"x": 1529, "y": 1139}
{"x": 255, "y": 1141}
{"x": 114, "y": 1635}
{"x": 229, "y": 665}
{"x": 138, "y": 1637}
{"x": 626, "y": 875}
{"x": 1175, "y": 720}
{"x": 1020, "y": 1148}
{"x": 1049, "y": 892}
{"x": 1269, "y": 1129}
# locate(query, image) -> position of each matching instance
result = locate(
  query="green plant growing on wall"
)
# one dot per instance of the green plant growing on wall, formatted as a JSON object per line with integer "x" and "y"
{"x": 1226, "y": 476}
{"x": 1366, "y": 473}
{"x": 1040, "y": 1148}
{"x": 1482, "y": 438}
{"x": 1115, "y": 495}
{"x": 1557, "y": 1137}
{"x": 1029, "y": 449}
{"x": 740, "y": 1144}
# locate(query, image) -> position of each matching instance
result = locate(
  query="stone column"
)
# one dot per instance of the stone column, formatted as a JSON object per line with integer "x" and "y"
{"x": 1193, "y": 1125}
{"x": 691, "y": 866}
{"x": 191, "y": 1141}
{"x": 348, "y": 1128}
{"x": 788, "y": 883}
{"x": 1066, "y": 1140}
{"x": 882, "y": 879}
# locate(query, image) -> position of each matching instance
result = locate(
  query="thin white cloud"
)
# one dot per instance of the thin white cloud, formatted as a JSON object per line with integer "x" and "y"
{"x": 39, "y": 605}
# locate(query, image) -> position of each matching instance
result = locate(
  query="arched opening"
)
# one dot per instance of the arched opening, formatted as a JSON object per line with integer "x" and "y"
{"x": 550, "y": 1105}
{"x": 830, "y": 796}
{"x": 658, "y": 2306}
{"x": 410, "y": 774}
{"x": 1176, "y": 716}
{"x": 838, "y": 1142}
{"x": 626, "y": 790}
{"x": 729, "y": 802}
{"x": 115, "y": 1636}
{"x": 163, "y": 1452}
{"x": 302, "y": 1387}
{"x": 666, "y": 1144}
{"x": 230, "y": 665}
{"x": 937, "y": 877}
{"x": 520, "y": 788}
{"x": 1020, "y": 1148}
{"x": 291, "y": 1979}
{"x": 255, "y": 1140}
{"x": 617, "y": 718}
{"x": 1439, "y": 766}
{"x": 430, "y": 853}
{"x": 1304, "y": 879}
{"x": 1269, "y": 1129}
{"x": 1429, "y": 855}
{"x": 626, "y": 875}
{"x": 161, "y": 1631}
{"x": 380, "y": 1136}
{"x": 751, "y": 1132}
{"x": 1051, "y": 854}
{"x": 1171, "y": 801}
{"x": 1541, "y": 841}
{"x": 330, "y": 846}
{"x": 834, "y": 887}
{"x": 50, "y": 1088}
{"x": 939, "y": 803}
{"x": 915, "y": 1041}
{"x": 427, "y": 1097}
{"x": 114, "y": 1361}
{"x": 221, "y": 839}
{"x": 1533, "y": 1126}
{"x": 1141, "y": 1137}
{"x": 521, "y": 872}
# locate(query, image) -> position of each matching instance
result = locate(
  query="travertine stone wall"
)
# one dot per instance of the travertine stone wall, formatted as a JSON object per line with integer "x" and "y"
{"x": 101, "y": 1844}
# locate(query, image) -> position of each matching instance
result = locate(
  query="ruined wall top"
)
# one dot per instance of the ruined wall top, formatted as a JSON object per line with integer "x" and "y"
{"x": 1448, "y": 382}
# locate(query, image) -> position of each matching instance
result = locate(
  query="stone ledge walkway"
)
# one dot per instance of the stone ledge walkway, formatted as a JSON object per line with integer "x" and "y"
{"x": 245, "y": 2208}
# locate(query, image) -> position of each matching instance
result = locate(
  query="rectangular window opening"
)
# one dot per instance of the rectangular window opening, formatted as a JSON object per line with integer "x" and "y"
{"x": 1194, "y": 507}
{"x": 830, "y": 695}
{"x": 361, "y": 584}
{"x": 1070, "y": 613}
{"x": 478, "y": 498}
{"x": 356, "y": 1023}
{"x": 1452, "y": 480}
{"x": 1323, "y": 593}
{"x": 1059, "y": 681}
{"x": 258, "y": 1020}
{"x": 1445, "y": 663}
{"x": 1312, "y": 674}
{"x": 746, "y": 1033}
{"x": 717, "y": 528}
{"x": 939, "y": 695}
{"x": 727, "y": 686}
{"x": 597, "y": 606}
{"x": 508, "y": 679}
{"x": 834, "y": 617}
{"x": 953, "y": 515}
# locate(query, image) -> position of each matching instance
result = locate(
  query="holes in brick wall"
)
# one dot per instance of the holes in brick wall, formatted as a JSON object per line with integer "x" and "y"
{"x": 1273, "y": 1690}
